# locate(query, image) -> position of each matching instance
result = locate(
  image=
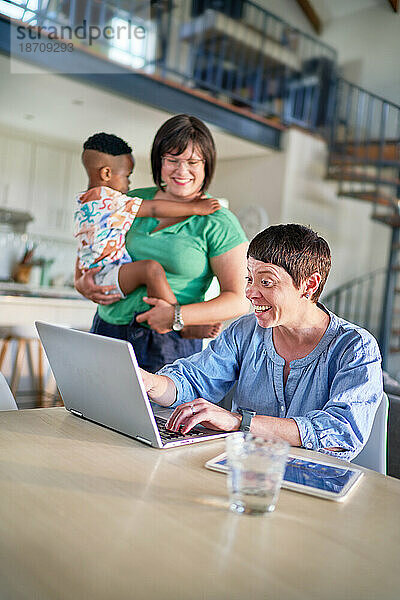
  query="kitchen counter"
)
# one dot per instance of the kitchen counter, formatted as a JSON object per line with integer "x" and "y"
{"x": 20, "y": 289}
{"x": 21, "y": 305}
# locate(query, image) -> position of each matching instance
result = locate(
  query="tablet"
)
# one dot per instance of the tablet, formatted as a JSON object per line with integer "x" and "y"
{"x": 313, "y": 477}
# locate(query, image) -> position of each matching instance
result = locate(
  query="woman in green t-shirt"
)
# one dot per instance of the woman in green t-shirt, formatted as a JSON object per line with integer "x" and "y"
{"x": 191, "y": 250}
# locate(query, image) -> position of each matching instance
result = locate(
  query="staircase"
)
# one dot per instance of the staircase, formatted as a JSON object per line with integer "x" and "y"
{"x": 364, "y": 157}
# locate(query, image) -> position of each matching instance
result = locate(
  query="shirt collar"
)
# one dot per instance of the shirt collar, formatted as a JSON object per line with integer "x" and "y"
{"x": 328, "y": 336}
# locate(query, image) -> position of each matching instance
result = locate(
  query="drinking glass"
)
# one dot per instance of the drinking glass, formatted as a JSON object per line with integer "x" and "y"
{"x": 255, "y": 469}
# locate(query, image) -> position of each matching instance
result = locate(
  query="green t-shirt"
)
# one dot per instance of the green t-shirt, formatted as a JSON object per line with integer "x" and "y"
{"x": 183, "y": 249}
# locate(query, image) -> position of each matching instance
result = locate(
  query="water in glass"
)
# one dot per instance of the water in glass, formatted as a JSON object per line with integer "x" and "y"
{"x": 256, "y": 468}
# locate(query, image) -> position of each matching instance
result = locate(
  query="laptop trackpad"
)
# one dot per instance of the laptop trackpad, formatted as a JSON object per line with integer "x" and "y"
{"x": 161, "y": 411}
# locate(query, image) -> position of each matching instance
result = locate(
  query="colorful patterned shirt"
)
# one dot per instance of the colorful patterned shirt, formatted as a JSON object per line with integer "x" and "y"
{"x": 102, "y": 220}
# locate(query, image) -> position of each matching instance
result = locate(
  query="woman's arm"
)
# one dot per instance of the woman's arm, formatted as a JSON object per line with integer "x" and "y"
{"x": 169, "y": 208}
{"x": 160, "y": 388}
{"x": 344, "y": 423}
{"x": 276, "y": 427}
{"x": 206, "y": 413}
{"x": 85, "y": 285}
{"x": 230, "y": 270}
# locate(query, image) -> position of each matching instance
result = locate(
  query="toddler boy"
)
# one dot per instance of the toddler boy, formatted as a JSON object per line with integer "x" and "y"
{"x": 105, "y": 215}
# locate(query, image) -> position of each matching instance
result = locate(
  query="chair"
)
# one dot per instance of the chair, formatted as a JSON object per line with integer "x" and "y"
{"x": 26, "y": 342}
{"x": 7, "y": 401}
{"x": 393, "y": 466}
{"x": 373, "y": 455}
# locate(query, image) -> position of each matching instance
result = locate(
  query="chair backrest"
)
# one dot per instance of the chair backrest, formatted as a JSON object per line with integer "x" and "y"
{"x": 373, "y": 455}
{"x": 7, "y": 401}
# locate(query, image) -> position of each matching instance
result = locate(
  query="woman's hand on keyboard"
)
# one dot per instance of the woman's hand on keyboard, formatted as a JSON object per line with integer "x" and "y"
{"x": 202, "y": 412}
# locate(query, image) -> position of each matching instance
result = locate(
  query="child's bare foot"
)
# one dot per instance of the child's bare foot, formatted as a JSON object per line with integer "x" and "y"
{"x": 201, "y": 331}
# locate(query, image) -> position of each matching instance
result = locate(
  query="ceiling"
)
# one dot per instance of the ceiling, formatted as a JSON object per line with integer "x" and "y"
{"x": 55, "y": 107}
{"x": 330, "y": 10}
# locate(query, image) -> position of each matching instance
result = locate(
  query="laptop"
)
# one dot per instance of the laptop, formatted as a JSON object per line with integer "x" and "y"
{"x": 99, "y": 380}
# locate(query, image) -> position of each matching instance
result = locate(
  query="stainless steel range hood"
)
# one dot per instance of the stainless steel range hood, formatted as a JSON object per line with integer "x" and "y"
{"x": 16, "y": 219}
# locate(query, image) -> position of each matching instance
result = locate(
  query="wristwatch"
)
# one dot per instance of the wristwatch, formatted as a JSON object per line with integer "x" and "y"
{"x": 247, "y": 416}
{"x": 177, "y": 323}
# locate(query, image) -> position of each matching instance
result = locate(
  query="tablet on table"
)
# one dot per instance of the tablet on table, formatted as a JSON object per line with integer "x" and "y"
{"x": 314, "y": 477}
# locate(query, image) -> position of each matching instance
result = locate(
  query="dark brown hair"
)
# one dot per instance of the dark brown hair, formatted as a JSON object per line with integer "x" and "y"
{"x": 174, "y": 136}
{"x": 297, "y": 249}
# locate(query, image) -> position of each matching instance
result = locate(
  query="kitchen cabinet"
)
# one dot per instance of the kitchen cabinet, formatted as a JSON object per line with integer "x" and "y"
{"x": 22, "y": 312}
{"x": 58, "y": 177}
{"x": 49, "y": 186}
{"x": 43, "y": 179}
{"x": 16, "y": 159}
{"x": 76, "y": 182}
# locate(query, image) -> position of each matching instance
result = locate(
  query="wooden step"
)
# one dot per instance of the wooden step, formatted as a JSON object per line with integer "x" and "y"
{"x": 345, "y": 160}
{"x": 345, "y": 175}
{"x": 370, "y": 150}
{"x": 391, "y": 220}
{"x": 381, "y": 200}
{"x": 394, "y": 349}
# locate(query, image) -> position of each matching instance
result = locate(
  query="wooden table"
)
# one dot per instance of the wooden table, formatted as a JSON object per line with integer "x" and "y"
{"x": 86, "y": 513}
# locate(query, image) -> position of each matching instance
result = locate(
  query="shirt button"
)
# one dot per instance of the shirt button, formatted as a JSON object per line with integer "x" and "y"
{"x": 282, "y": 408}
{"x": 309, "y": 445}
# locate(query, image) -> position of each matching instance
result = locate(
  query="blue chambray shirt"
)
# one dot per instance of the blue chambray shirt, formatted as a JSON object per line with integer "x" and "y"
{"x": 332, "y": 393}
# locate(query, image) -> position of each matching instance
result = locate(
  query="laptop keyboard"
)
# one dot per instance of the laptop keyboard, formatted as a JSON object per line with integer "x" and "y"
{"x": 167, "y": 435}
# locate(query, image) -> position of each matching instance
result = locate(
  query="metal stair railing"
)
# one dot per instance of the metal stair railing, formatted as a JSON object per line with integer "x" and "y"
{"x": 364, "y": 157}
{"x": 364, "y": 146}
{"x": 360, "y": 300}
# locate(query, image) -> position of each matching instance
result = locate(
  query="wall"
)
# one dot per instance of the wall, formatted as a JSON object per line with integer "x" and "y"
{"x": 252, "y": 181}
{"x": 368, "y": 45}
{"x": 292, "y": 188}
{"x": 359, "y": 245}
{"x": 141, "y": 176}
{"x": 289, "y": 11}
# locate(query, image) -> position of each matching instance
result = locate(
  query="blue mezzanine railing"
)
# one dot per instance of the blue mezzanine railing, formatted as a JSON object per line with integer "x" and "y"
{"x": 234, "y": 50}
{"x": 241, "y": 52}
{"x": 360, "y": 301}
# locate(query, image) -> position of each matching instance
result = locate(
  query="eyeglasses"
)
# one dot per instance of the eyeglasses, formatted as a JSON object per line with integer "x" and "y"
{"x": 174, "y": 163}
